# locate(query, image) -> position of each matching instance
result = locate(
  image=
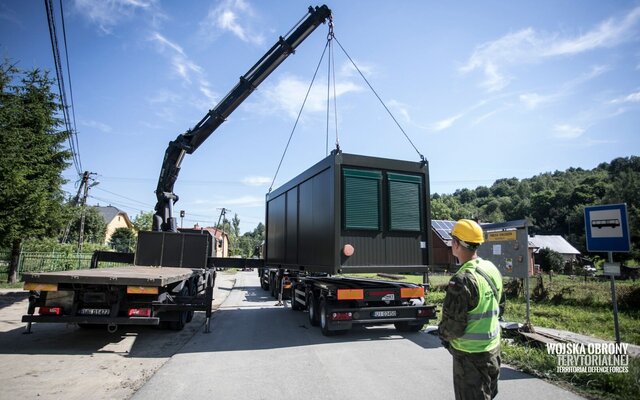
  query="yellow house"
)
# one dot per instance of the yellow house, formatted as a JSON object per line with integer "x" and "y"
{"x": 220, "y": 238}
{"x": 114, "y": 218}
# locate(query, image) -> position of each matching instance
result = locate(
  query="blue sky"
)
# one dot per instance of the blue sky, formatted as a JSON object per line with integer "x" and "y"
{"x": 485, "y": 90}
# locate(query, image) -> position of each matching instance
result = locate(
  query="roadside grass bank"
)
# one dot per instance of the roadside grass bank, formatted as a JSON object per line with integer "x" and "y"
{"x": 572, "y": 304}
{"x": 536, "y": 361}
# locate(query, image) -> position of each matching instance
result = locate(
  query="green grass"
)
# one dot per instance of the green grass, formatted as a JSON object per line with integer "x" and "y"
{"x": 536, "y": 361}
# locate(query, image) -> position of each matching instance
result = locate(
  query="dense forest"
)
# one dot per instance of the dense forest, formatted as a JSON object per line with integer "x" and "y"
{"x": 553, "y": 203}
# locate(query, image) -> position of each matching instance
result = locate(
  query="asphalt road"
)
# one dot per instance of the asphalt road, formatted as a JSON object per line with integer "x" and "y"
{"x": 259, "y": 350}
{"x": 62, "y": 361}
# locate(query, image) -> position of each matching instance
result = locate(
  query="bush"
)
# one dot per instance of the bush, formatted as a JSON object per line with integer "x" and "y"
{"x": 628, "y": 297}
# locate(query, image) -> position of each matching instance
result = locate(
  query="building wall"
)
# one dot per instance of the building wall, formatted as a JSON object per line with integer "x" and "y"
{"x": 120, "y": 221}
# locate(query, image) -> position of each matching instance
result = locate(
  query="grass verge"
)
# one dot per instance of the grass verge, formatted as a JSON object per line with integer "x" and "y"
{"x": 536, "y": 361}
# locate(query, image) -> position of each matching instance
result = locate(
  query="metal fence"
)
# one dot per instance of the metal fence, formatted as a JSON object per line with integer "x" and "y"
{"x": 47, "y": 262}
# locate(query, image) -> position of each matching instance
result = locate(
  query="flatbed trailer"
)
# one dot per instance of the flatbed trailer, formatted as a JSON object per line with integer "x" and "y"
{"x": 336, "y": 303}
{"x": 176, "y": 280}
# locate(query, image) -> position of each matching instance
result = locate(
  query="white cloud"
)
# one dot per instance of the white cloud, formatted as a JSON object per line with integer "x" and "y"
{"x": 608, "y": 34}
{"x": 102, "y": 127}
{"x": 527, "y": 46}
{"x": 288, "y": 93}
{"x": 400, "y": 108}
{"x": 186, "y": 69}
{"x": 234, "y": 16}
{"x": 631, "y": 98}
{"x": 107, "y": 14}
{"x": 347, "y": 69}
{"x": 256, "y": 180}
{"x": 566, "y": 131}
{"x": 445, "y": 123}
{"x": 533, "y": 100}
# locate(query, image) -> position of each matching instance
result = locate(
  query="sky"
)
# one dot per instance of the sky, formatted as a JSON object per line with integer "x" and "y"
{"x": 483, "y": 89}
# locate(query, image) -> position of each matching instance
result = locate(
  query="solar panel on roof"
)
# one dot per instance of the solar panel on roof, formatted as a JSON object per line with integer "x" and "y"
{"x": 443, "y": 228}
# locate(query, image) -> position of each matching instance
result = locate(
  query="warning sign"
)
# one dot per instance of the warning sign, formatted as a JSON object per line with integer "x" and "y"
{"x": 501, "y": 236}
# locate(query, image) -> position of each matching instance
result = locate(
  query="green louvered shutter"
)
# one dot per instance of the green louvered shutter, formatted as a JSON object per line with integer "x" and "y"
{"x": 361, "y": 199}
{"x": 404, "y": 202}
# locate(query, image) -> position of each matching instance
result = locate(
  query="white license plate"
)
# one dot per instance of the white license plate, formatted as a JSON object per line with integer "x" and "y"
{"x": 382, "y": 314}
{"x": 94, "y": 311}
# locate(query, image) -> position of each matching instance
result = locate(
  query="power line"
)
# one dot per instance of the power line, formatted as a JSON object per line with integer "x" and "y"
{"x": 71, "y": 134}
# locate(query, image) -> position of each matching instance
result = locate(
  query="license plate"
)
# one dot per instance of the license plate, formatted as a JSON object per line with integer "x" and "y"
{"x": 382, "y": 314}
{"x": 94, "y": 311}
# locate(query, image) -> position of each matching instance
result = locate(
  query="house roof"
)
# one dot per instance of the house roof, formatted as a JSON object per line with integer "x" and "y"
{"x": 552, "y": 242}
{"x": 109, "y": 212}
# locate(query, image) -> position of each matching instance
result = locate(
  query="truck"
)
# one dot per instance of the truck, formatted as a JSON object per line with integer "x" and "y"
{"x": 171, "y": 274}
{"x": 347, "y": 215}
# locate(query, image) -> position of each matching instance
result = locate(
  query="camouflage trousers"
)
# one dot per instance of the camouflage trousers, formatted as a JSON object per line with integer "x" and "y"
{"x": 475, "y": 375}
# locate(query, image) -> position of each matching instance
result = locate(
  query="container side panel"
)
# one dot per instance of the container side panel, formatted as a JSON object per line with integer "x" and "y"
{"x": 315, "y": 239}
{"x": 292, "y": 227}
{"x": 369, "y": 248}
{"x": 403, "y": 250}
{"x": 276, "y": 230}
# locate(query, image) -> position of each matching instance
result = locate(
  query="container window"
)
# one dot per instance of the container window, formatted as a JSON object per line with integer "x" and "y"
{"x": 361, "y": 201}
{"x": 404, "y": 202}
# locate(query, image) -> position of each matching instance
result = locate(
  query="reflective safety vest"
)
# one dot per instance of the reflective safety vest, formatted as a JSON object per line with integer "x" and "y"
{"x": 483, "y": 329}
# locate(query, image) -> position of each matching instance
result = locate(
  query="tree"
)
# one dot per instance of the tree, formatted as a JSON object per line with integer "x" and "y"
{"x": 550, "y": 260}
{"x": 94, "y": 226}
{"x": 32, "y": 161}
{"x": 143, "y": 221}
{"x": 123, "y": 240}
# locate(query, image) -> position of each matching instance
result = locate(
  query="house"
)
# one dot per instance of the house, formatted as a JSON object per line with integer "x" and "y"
{"x": 220, "y": 238}
{"x": 556, "y": 243}
{"x": 443, "y": 259}
{"x": 114, "y": 218}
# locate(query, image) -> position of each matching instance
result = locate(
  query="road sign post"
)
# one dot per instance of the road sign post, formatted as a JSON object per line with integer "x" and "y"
{"x": 607, "y": 230}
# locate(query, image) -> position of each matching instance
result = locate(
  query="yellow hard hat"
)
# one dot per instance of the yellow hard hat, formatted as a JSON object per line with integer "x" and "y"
{"x": 468, "y": 231}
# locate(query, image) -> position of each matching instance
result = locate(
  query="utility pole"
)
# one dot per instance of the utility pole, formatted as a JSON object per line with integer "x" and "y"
{"x": 83, "y": 201}
{"x": 223, "y": 217}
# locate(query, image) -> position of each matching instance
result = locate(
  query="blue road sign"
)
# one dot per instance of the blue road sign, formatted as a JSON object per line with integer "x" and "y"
{"x": 607, "y": 228}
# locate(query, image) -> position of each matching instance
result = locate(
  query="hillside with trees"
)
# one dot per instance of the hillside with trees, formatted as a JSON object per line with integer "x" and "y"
{"x": 553, "y": 203}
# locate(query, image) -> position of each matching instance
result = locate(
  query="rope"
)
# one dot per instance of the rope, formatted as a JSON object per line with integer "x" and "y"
{"x": 298, "y": 117}
{"x": 381, "y": 102}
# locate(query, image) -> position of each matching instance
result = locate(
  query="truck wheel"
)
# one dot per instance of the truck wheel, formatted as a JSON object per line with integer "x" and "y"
{"x": 324, "y": 322}
{"x": 295, "y": 306}
{"x": 312, "y": 303}
{"x": 406, "y": 327}
{"x": 272, "y": 286}
{"x": 192, "y": 292}
{"x": 182, "y": 315}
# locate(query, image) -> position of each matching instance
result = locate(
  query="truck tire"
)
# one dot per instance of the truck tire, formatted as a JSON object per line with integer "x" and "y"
{"x": 272, "y": 285}
{"x": 407, "y": 327}
{"x": 192, "y": 292}
{"x": 264, "y": 285}
{"x": 312, "y": 303}
{"x": 295, "y": 306}
{"x": 324, "y": 319}
{"x": 182, "y": 315}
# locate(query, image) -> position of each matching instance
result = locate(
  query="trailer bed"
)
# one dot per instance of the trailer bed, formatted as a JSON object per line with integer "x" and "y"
{"x": 129, "y": 275}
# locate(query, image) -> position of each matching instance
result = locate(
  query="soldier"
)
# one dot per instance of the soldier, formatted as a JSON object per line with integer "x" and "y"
{"x": 469, "y": 326}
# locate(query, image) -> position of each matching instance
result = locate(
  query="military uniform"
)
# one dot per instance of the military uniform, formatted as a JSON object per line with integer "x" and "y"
{"x": 470, "y": 330}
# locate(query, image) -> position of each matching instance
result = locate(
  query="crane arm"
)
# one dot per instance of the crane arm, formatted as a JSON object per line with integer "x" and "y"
{"x": 189, "y": 141}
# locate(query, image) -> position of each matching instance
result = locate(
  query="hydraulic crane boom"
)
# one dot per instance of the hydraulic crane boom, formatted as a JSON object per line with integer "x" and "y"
{"x": 189, "y": 141}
